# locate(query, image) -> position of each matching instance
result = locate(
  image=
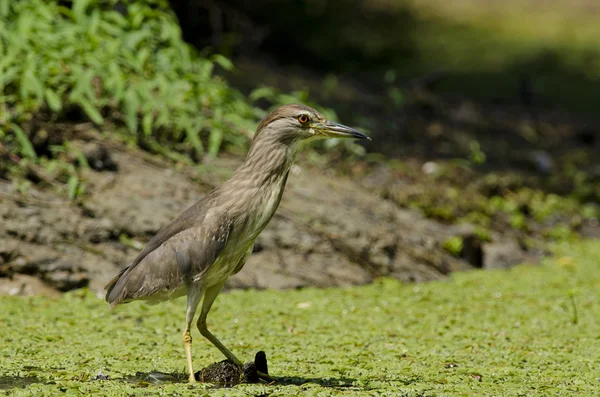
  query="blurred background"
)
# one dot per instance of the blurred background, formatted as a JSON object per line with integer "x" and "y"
{"x": 115, "y": 116}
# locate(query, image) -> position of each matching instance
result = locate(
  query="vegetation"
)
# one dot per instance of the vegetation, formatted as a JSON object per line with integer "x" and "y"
{"x": 526, "y": 331}
{"x": 92, "y": 62}
{"x": 498, "y": 202}
{"x": 129, "y": 73}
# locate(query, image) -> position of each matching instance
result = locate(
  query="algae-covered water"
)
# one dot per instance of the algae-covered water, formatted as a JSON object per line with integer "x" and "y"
{"x": 529, "y": 331}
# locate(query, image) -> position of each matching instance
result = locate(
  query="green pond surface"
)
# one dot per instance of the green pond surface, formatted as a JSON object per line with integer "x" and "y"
{"x": 528, "y": 331}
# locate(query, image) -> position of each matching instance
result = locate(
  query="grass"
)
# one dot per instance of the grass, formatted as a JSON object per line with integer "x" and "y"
{"x": 528, "y": 331}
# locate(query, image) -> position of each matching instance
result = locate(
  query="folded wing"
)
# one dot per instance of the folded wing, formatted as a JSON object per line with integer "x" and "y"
{"x": 172, "y": 263}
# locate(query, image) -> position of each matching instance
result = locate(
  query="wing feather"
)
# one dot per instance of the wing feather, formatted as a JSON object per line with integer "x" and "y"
{"x": 189, "y": 217}
{"x": 173, "y": 263}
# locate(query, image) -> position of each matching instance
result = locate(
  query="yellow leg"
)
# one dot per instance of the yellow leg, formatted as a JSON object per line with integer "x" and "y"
{"x": 193, "y": 298}
{"x": 187, "y": 343}
{"x": 209, "y": 297}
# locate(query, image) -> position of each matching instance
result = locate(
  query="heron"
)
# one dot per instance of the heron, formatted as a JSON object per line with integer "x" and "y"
{"x": 197, "y": 252}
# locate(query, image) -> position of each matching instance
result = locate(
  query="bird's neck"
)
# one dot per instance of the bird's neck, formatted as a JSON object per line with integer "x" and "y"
{"x": 258, "y": 185}
{"x": 267, "y": 164}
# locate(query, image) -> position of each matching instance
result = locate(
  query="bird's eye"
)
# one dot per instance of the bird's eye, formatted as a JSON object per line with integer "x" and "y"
{"x": 303, "y": 119}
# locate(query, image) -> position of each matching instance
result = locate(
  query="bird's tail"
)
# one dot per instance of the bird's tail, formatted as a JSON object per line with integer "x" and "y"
{"x": 111, "y": 285}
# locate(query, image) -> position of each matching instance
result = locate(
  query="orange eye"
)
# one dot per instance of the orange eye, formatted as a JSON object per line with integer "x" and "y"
{"x": 303, "y": 119}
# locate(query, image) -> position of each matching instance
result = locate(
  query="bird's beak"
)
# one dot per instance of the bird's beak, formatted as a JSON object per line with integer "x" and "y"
{"x": 334, "y": 130}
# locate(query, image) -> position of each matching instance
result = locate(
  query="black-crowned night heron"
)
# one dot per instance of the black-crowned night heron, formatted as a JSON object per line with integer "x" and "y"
{"x": 211, "y": 240}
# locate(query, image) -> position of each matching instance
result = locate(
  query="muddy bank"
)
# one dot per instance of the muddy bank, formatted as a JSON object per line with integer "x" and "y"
{"x": 330, "y": 230}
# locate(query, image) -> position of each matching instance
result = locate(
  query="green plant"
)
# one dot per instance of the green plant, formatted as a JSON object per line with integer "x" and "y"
{"x": 454, "y": 245}
{"x": 476, "y": 155}
{"x": 575, "y": 317}
{"x": 132, "y": 69}
{"x": 129, "y": 71}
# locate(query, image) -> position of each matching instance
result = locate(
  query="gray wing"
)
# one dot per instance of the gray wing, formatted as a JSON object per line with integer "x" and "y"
{"x": 172, "y": 264}
{"x": 189, "y": 217}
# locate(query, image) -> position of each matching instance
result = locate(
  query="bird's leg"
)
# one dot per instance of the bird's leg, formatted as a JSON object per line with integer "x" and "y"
{"x": 210, "y": 294}
{"x": 187, "y": 343}
{"x": 193, "y": 298}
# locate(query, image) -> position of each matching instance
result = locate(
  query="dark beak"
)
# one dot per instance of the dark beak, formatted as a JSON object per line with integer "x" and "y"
{"x": 335, "y": 130}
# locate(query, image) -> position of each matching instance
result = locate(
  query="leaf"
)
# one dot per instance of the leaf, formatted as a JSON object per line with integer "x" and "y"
{"x": 192, "y": 135}
{"x": 94, "y": 23}
{"x": 25, "y": 146}
{"x": 206, "y": 71}
{"x": 4, "y": 8}
{"x": 110, "y": 29}
{"x": 83, "y": 87}
{"x": 10, "y": 57}
{"x": 46, "y": 12}
{"x": 215, "y": 138}
{"x": 142, "y": 56}
{"x": 79, "y": 8}
{"x": 66, "y": 12}
{"x": 53, "y": 100}
{"x": 8, "y": 76}
{"x": 138, "y": 18}
{"x": 90, "y": 110}
{"x": 262, "y": 92}
{"x": 115, "y": 81}
{"x": 225, "y": 63}
{"x": 72, "y": 186}
{"x": 31, "y": 84}
{"x": 115, "y": 19}
{"x": 147, "y": 121}
{"x": 24, "y": 24}
{"x": 82, "y": 160}
{"x": 131, "y": 105}
{"x": 133, "y": 39}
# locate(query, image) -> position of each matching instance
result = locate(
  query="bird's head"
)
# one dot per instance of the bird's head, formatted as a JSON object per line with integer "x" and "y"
{"x": 293, "y": 123}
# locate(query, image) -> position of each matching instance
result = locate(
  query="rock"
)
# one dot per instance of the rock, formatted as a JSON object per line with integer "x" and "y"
{"x": 8, "y": 249}
{"x": 543, "y": 162}
{"x": 502, "y": 254}
{"x": 25, "y": 258}
{"x": 97, "y": 230}
{"x": 25, "y": 285}
{"x": 99, "y": 157}
{"x": 66, "y": 280}
{"x": 329, "y": 231}
{"x": 142, "y": 198}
